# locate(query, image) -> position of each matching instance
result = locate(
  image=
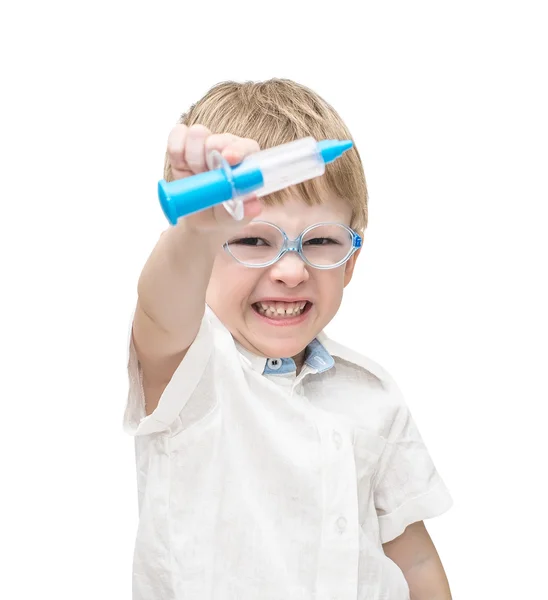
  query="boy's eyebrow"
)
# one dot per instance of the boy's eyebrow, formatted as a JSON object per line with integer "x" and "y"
{"x": 298, "y": 230}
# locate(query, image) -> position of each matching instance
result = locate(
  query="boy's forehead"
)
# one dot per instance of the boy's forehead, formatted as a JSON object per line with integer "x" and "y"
{"x": 294, "y": 214}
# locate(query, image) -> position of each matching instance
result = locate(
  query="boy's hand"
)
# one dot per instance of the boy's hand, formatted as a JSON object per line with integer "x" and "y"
{"x": 187, "y": 149}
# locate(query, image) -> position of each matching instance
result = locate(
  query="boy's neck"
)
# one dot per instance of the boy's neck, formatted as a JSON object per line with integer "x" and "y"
{"x": 299, "y": 360}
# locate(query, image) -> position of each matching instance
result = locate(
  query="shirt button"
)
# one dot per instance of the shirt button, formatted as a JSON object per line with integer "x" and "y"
{"x": 341, "y": 524}
{"x": 274, "y": 363}
{"x": 337, "y": 439}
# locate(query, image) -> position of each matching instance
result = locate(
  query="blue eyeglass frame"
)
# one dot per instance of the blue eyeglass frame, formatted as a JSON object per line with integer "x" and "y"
{"x": 296, "y": 245}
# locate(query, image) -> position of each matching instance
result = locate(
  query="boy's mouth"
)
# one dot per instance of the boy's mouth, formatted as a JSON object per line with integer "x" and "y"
{"x": 281, "y": 310}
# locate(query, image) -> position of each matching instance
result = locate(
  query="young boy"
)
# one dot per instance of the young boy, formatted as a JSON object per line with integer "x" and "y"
{"x": 272, "y": 462}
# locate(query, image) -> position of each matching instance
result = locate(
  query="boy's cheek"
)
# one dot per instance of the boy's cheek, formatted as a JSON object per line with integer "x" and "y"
{"x": 229, "y": 287}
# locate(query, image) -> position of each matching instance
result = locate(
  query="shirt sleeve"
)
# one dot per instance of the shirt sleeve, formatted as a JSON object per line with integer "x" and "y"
{"x": 177, "y": 392}
{"x": 408, "y": 488}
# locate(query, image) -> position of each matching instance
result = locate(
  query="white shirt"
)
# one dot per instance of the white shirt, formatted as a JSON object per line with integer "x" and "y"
{"x": 258, "y": 484}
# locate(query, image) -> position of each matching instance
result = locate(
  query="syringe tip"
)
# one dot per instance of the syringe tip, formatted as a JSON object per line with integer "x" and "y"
{"x": 332, "y": 149}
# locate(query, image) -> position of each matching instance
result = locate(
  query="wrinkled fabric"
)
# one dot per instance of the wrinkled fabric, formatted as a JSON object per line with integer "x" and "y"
{"x": 258, "y": 483}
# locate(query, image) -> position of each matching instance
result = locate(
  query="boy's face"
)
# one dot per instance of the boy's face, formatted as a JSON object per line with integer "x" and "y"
{"x": 234, "y": 289}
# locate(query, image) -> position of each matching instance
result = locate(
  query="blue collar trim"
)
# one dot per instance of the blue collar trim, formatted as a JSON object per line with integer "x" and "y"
{"x": 316, "y": 357}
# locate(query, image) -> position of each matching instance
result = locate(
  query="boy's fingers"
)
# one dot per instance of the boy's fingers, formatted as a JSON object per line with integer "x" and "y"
{"x": 189, "y": 147}
{"x": 195, "y": 156}
{"x": 176, "y": 146}
{"x": 239, "y": 149}
{"x": 232, "y": 147}
{"x": 219, "y": 141}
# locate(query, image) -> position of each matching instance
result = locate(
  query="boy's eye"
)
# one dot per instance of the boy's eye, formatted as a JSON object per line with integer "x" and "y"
{"x": 320, "y": 241}
{"x": 250, "y": 241}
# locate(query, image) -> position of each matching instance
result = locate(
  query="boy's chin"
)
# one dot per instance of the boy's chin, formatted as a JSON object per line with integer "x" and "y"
{"x": 270, "y": 348}
{"x": 282, "y": 349}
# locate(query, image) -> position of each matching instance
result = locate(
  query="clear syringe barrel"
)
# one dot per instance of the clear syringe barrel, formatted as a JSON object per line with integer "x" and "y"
{"x": 286, "y": 165}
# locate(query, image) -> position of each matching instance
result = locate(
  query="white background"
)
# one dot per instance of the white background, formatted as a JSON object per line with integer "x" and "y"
{"x": 447, "y": 103}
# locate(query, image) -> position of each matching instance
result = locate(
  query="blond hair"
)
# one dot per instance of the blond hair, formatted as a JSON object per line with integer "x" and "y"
{"x": 277, "y": 111}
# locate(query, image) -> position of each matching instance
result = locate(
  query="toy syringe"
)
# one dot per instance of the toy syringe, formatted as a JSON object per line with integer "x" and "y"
{"x": 262, "y": 173}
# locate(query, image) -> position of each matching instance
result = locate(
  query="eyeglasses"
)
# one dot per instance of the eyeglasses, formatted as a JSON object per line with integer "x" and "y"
{"x": 322, "y": 246}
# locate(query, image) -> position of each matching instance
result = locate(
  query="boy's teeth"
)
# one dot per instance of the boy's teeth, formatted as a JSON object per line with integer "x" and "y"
{"x": 281, "y": 309}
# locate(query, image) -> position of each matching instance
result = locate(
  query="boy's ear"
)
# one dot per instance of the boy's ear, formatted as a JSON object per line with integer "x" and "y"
{"x": 349, "y": 267}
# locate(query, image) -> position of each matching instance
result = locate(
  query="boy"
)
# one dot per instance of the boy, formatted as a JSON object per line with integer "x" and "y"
{"x": 273, "y": 463}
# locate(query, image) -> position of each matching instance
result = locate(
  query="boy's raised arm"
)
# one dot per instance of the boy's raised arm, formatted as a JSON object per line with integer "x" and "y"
{"x": 172, "y": 286}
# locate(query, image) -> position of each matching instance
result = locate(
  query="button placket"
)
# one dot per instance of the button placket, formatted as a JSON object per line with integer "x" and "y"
{"x": 339, "y": 552}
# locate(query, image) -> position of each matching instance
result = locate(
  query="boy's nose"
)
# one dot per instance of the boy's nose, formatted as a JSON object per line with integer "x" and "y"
{"x": 290, "y": 269}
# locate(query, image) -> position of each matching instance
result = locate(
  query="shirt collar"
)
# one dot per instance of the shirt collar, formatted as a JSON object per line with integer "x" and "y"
{"x": 316, "y": 357}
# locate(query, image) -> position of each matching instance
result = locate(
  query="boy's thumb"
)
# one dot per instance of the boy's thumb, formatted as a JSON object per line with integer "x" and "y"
{"x": 252, "y": 207}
